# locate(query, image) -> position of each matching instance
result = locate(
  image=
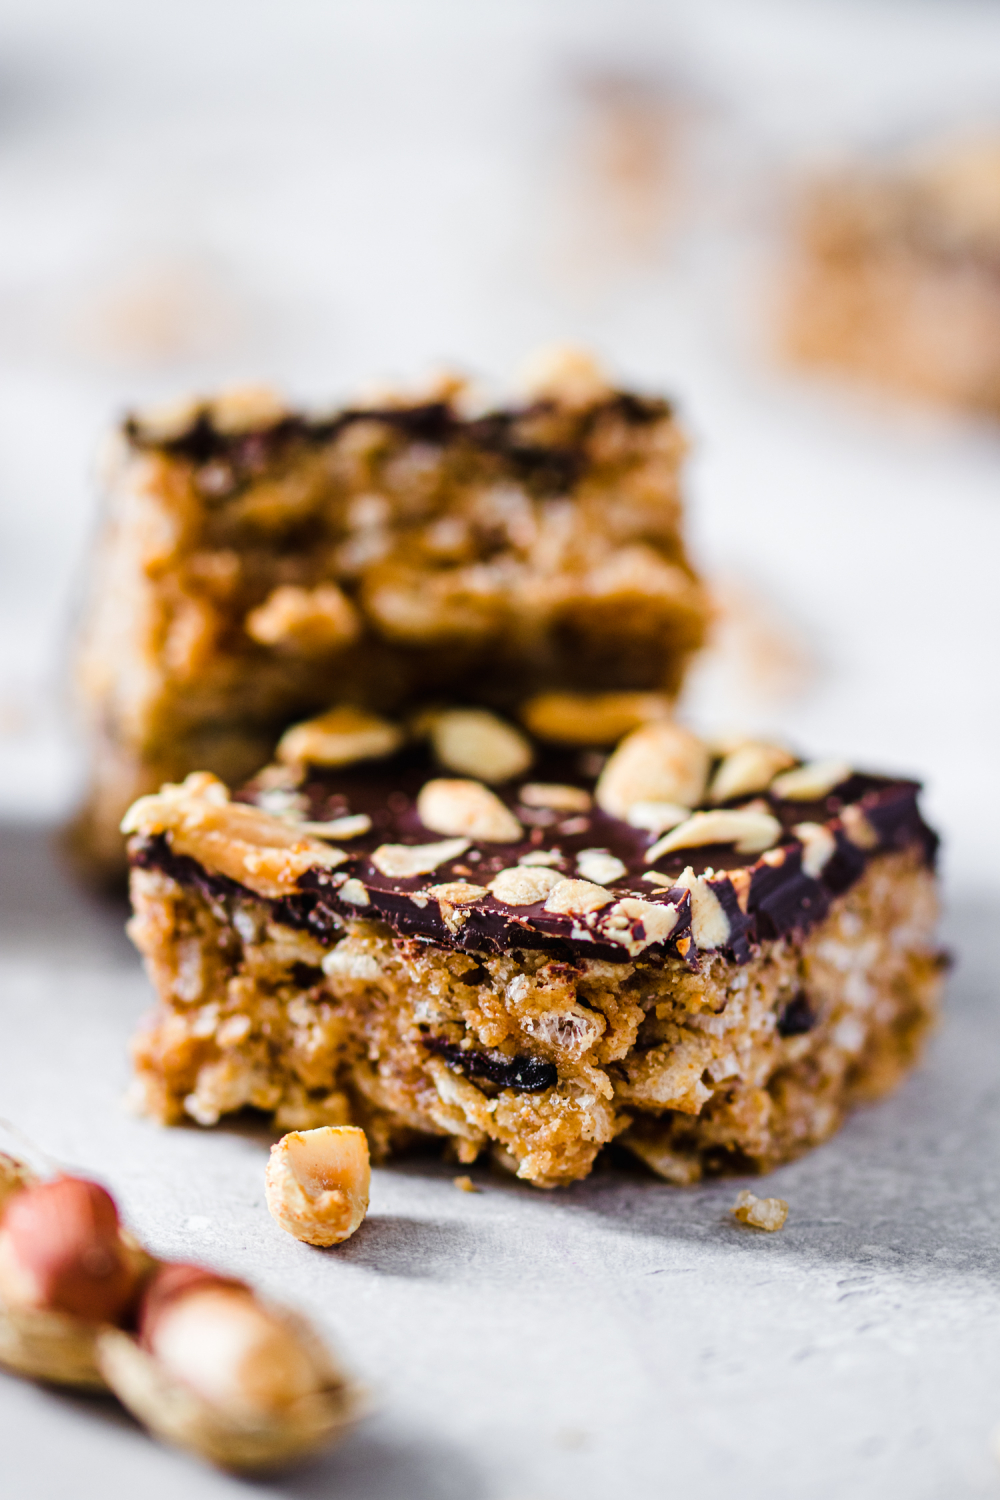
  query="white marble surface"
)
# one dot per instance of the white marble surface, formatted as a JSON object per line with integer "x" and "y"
{"x": 319, "y": 192}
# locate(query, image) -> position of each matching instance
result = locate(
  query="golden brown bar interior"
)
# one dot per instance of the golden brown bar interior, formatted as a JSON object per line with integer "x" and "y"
{"x": 731, "y": 1067}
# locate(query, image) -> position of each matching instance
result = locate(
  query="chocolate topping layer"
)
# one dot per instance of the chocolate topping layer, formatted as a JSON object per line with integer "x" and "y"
{"x": 762, "y": 896}
{"x": 546, "y": 466}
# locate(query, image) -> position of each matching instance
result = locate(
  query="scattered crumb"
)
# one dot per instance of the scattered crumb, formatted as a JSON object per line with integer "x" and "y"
{"x": 466, "y": 1184}
{"x": 761, "y": 1213}
{"x": 571, "y": 1437}
{"x": 995, "y": 1444}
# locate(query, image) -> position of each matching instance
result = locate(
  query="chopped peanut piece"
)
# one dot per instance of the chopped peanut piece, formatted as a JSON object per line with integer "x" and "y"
{"x": 661, "y": 762}
{"x": 750, "y": 767}
{"x": 339, "y": 737}
{"x": 467, "y": 808}
{"x": 760, "y": 1213}
{"x": 811, "y": 782}
{"x": 474, "y": 742}
{"x": 318, "y": 1181}
{"x": 592, "y": 718}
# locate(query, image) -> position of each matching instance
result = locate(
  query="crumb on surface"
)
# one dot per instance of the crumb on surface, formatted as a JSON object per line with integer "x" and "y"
{"x": 760, "y": 1213}
{"x": 571, "y": 1437}
{"x": 466, "y": 1185}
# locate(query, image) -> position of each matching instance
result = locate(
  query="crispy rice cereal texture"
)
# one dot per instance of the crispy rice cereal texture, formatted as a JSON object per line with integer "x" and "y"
{"x": 727, "y": 1066}
{"x": 256, "y": 566}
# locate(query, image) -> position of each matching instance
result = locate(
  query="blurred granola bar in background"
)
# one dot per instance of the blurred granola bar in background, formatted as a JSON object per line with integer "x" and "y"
{"x": 257, "y": 564}
{"x": 899, "y": 276}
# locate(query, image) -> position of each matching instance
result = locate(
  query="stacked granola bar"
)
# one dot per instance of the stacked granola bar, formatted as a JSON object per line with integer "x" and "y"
{"x": 899, "y": 276}
{"x": 492, "y": 892}
{"x": 258, "y": 564}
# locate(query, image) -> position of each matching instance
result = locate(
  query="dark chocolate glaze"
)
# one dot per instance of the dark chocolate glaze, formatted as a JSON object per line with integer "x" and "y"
{"x": 546, "y": 468}
{"x": 763, "y": 896}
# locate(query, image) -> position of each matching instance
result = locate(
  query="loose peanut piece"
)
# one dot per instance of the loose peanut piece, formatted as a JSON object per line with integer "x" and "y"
{"x": 318, "y": 1182}
{"x": 592, "y": 718}
{"x": 761, "y": 1213}
{"x": 469, "y": 809}
{"x": 750, "y": 831}
{"x": 339, "y": 737}
{"x": 661, "y": 762}
{"x": 747, "y": 769}
{"x": 811, "y": 782}
{"x": 476, "y": 743}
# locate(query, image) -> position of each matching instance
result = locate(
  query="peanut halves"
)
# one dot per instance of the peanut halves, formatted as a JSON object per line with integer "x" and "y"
{"x": 198, "y": 1357}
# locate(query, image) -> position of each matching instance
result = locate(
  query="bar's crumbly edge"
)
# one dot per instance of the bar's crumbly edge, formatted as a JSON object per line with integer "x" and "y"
{"x": 710, "y": 1046}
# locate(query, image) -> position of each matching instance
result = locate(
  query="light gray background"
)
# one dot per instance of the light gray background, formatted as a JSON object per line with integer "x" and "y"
{"x": 317, "y": 193}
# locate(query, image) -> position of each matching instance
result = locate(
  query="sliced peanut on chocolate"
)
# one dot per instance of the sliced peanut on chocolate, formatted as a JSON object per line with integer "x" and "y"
{"x": 577, "y": 898}
{"x": 404, "y": 861}
{"x": 748, "y": 768}
{"x": 592, "y": 718}
{"x": 599, "y": 866}
{"x": 661, "y": 762}
{"x": 339, "y": 737}
{"x": 810, "y": 783}
{"x": 476, "y": 743}
{"x": 818, "y": 847}
{"x": 524, "y": 885}
{"x": 709, "y": 923}
{"x": 467, "y": 808}
{"x": 558, "y": 797}
{"x": 750, "y": 830}
{"x": 564, "y": 373}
